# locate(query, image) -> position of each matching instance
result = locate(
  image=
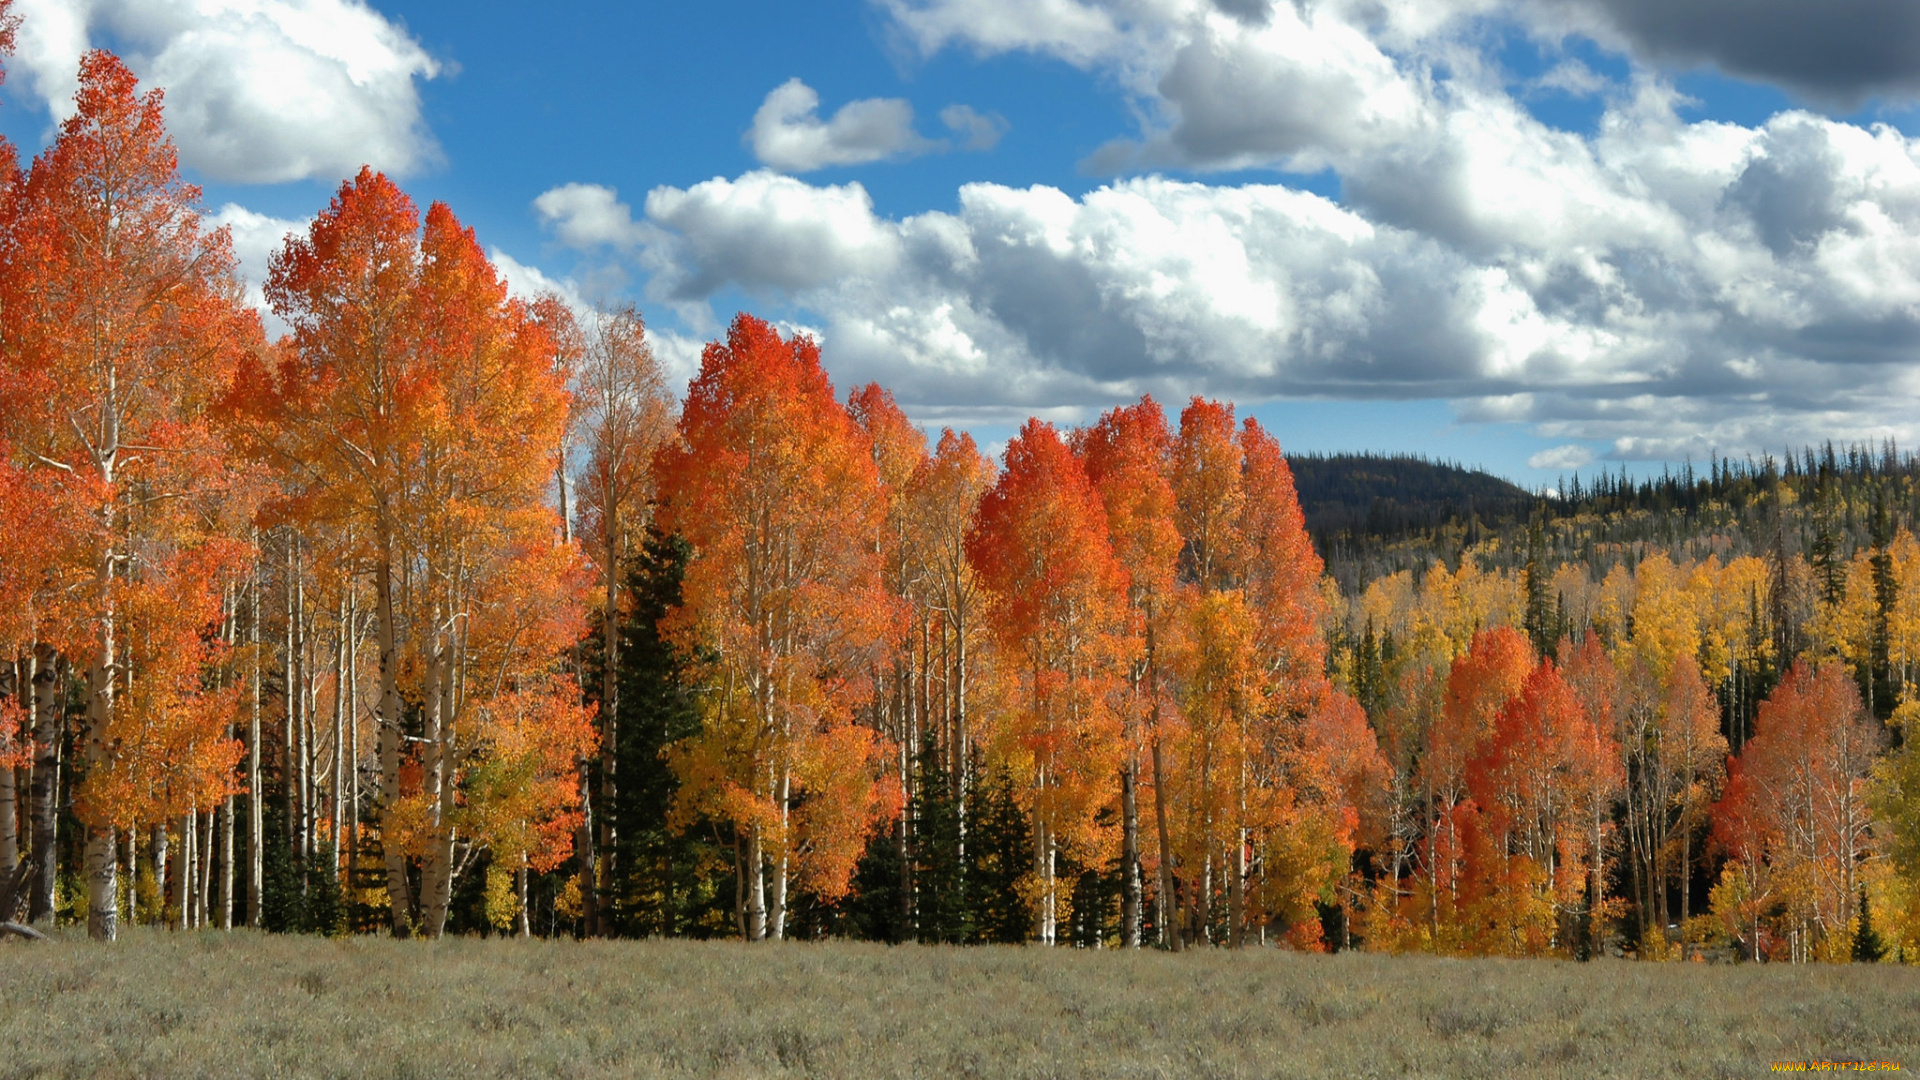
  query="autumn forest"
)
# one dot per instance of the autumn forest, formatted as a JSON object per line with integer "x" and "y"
{"x": 446, "y": 614}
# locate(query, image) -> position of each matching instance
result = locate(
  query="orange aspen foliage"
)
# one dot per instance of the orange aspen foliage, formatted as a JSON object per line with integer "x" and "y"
{"x": 1277, "y": 562}
{"x": 1598, "y": 775}
{"x": 523, "y": 800}
{"x": 1527, "y": 861}
{"x": 774, "y": 486}
{"x": 1329, "y": 787}
{"x": 1293, "y": 761}
{"x": 1794, "y": 818}
{"x": 1693, "y": 753}
{"x": 898, "y": 450}
{"x": 1224, "y": 708}
{"x": 127, "y": 316}
{"x": 943, "y": 494}
{"x": 1040, "y": 544}
{"x": 1209, "y": 487}
{"x": 1480, "y": 683}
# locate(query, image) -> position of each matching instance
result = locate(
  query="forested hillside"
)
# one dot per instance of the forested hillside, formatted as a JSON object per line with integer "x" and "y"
{"x": 1377, "y": 496}
{"x": 1359, "y": 505}
{"x": 445, "y": 614}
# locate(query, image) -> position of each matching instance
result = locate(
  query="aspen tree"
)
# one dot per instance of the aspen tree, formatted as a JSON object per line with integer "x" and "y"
{"x": 134, "y": 313}
{"x": 1040, "y": 544}
{"x": 773, "y": 485}
{"x": 623, "y": 400}
{"x": 420, "y": 411}
{"x": 1129, "y": 458}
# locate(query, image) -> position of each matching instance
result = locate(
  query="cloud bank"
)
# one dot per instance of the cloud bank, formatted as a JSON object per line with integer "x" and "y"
{"x": 1674, "y": 288}
{"x": 1665, "y": 285}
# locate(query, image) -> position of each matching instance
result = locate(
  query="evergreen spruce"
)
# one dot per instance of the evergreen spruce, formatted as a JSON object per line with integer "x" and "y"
{"x": 943, "y": 901}
{"x": 1868, "y": 947}
{"x": 999, "y": 857}
{"x": 283, "y": 898}
{"x": 672, "y": 881}
{"x": 1539, "y": 614}
{"x": 873, "y": 911}
{"x": 326, "y": 906}
{"x": 1880, "y": 691}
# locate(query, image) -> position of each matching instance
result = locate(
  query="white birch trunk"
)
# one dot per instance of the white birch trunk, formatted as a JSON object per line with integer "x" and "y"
{"x": 43, "y": 798}
{"x": 256, "y": 822}
{"x": 436, "y": 874}
{"x": 389, "y": 719}
{"x": 756, "y": 871}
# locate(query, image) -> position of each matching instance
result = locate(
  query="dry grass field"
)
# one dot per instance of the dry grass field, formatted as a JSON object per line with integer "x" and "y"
{"x": 161, "y": 1005}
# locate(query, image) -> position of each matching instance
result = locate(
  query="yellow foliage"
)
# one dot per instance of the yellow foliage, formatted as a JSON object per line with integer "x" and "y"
{"x": 567, "y": 903}
{"x": 502, "y": 899}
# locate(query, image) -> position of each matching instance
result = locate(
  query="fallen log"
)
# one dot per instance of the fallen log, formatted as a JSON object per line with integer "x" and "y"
{"x": 17, "y": 930}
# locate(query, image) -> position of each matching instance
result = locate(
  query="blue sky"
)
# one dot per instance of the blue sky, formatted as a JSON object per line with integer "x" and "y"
{"x": 1527, "y": 234}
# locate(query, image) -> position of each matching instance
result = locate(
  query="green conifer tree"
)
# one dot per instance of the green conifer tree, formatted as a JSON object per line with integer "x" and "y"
{"x": 672, "y": 881}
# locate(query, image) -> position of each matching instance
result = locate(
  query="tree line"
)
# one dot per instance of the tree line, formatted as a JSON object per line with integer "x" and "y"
{"x": 441, "y": 614}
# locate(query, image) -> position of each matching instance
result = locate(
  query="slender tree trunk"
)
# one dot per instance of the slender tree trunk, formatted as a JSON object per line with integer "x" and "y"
{"x": 101, "y": 863}
{"x": 523, "y": 925}
{"x": 609, "y": 722}
{"x": 756, "y": 869}
{"x": 203, "y": 892}
{"x": 436, "y": 874}
{"x": 1686, "y": 876}
{"x": 336, "y": 805}
{"x": 180, "y": 873}
{"x": 48, "y": 672}
{"x": 300, "y": 738}
{"x": 1596, "y": 889}
{"x": 1130, "y": 850}
{"x": 223, "y": 890}
{"x": 223, "y": 885}
{"x": 157, "y": 864}
{"x": 1236, "y": 889}
{"x": 353, "y": 737}
{"x": 739, "y": 890}
{"x": 1169, "y": 903}
{"x": 1052, "y": 893}
{"x": 777, "y": 917}
{"x": 903, "y": 826}
{"x": 962, "y": 746}
{"x": 389, "y": 719}
{"x": 129, "y": 873}
{"x": 256, "y": 820}
{"x": 1043, "y": 873}
{"x": 9, "y": 793}
{"x": 589, "y": 858}
{"x": 290, "y": 707}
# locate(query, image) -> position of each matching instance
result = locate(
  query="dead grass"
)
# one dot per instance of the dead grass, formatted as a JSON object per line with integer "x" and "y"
{"x": 161, "y": 1005}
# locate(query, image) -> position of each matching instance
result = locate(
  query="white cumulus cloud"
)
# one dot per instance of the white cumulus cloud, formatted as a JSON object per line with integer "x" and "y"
{"x": 788, "y": 134}
{"x": 588, "y": 216}
{"x": 258, "y": 91}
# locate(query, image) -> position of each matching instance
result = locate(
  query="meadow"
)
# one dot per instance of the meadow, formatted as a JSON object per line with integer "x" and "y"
{"x": 162, "y": 1005}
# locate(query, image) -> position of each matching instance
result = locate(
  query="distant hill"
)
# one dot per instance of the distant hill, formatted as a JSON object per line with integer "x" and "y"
{"x": 1381, "y": 496}
{"x": 1371, "y": 515}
